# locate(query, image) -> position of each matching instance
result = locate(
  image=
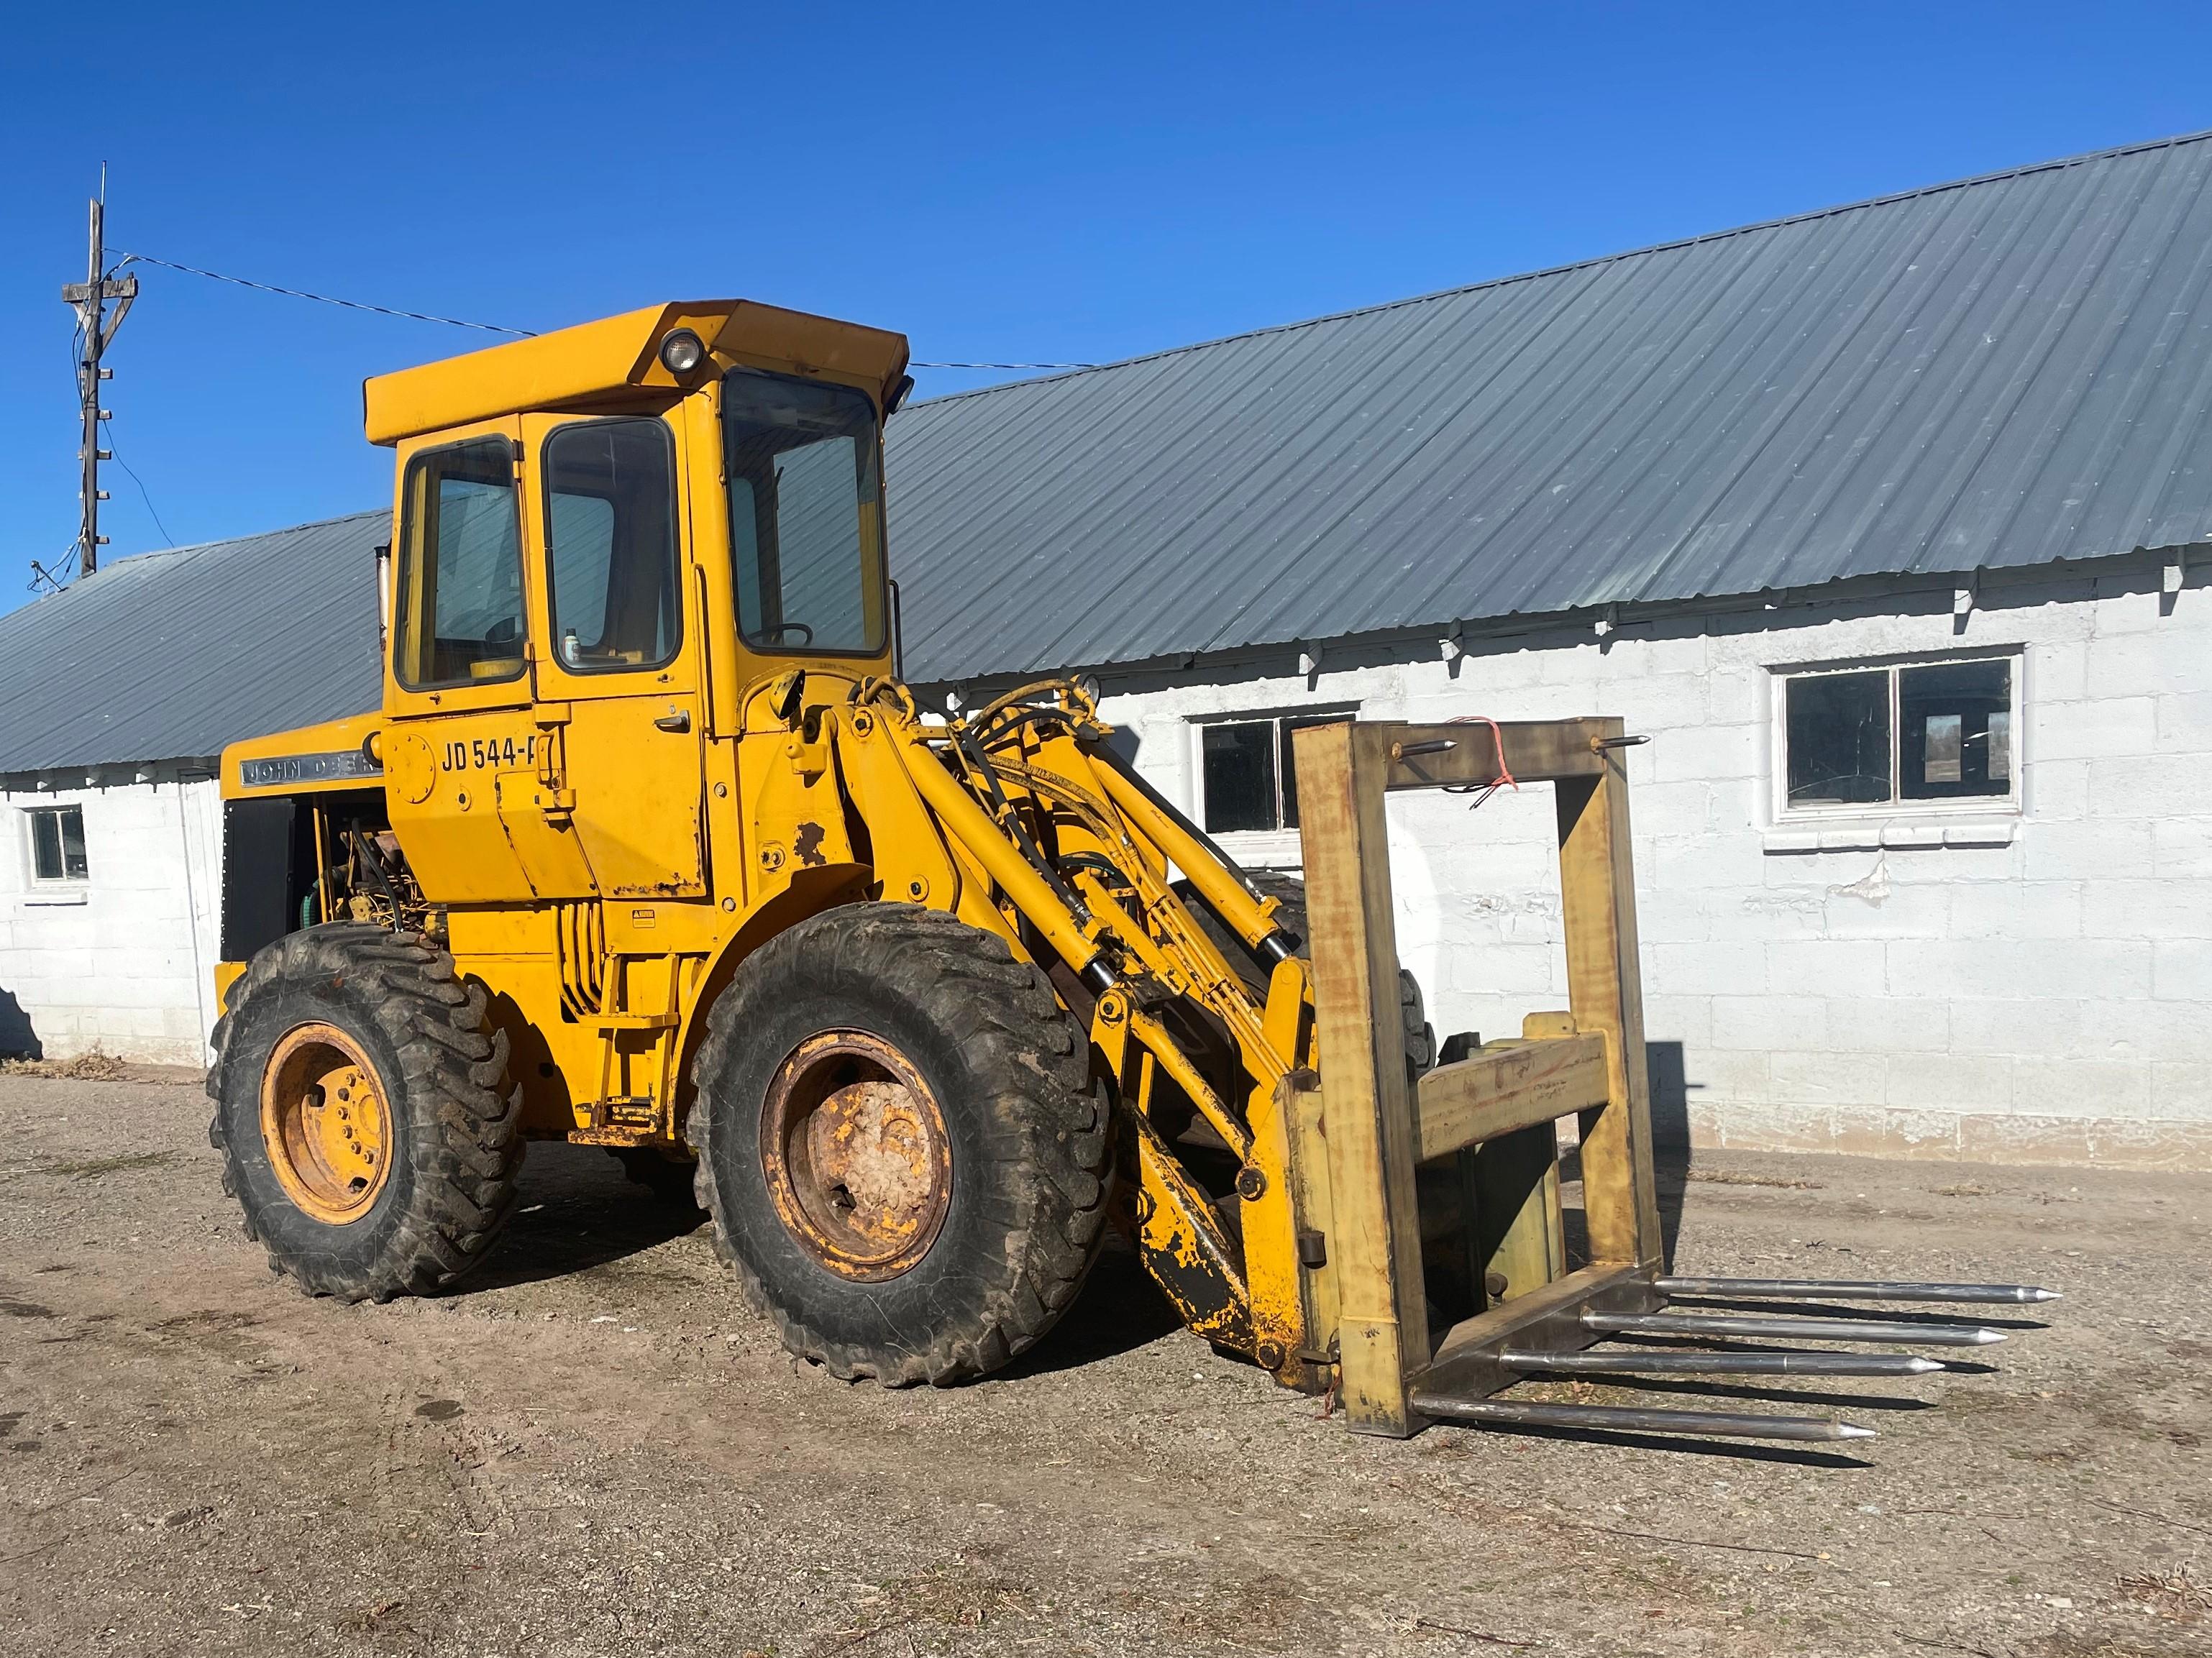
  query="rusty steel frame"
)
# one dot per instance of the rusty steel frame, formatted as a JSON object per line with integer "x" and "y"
{"x": 1503, "y": 1100}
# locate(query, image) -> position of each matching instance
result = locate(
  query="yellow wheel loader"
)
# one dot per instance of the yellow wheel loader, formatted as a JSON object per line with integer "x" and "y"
{"x": 648, "y": 848}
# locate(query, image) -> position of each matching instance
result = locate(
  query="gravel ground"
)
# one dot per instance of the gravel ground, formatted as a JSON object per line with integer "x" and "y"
{"x": 594, "y": 1449}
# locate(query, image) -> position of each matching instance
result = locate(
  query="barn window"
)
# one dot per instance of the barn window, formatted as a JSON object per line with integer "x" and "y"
{"x": 1911, "y": 733}
{"x": 58, "y": 843}
{"x": 1251, "y": 774}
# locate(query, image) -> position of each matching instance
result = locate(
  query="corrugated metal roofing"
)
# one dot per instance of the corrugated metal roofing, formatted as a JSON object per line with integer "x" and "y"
{"x": 2002, "y": 371}
{"x": 171, "y": 655}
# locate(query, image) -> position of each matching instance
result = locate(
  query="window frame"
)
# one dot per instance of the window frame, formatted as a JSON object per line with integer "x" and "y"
{"x": 545, "y": 490}
{"x": 403, "y": 532}
{"x": 64, "y": 881}
{"x": 1283, "y": 837}
{"x": 883, "y": 561}
{"x": 1782, "y": 811}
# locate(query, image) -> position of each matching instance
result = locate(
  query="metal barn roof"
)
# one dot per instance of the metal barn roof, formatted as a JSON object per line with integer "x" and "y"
{"x": 2003, "y": 372}
{"x": 171, "y": 655}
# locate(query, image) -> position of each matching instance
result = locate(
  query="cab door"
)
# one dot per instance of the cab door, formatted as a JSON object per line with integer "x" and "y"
{"x": 617, "y": 677}
{"x": 457, "y": 688}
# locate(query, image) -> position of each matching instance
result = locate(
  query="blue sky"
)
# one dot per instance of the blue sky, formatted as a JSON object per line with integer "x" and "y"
{"x": 1022, "y": 182}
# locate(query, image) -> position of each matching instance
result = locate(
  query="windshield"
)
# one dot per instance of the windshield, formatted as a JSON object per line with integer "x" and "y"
{"x": 805, "y": 514}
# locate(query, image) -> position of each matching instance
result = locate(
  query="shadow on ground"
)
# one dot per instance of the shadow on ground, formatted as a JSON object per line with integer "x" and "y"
{"x": 577, "y": 1211}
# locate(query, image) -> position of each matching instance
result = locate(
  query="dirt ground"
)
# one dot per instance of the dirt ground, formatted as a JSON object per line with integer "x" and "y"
{"x": 594, "y": 1449}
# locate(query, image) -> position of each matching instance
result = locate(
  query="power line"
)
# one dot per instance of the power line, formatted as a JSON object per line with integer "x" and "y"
{"x": 457, "y": 322}
{"x": 116, "y": 455}
{"x": 322, "y": 298}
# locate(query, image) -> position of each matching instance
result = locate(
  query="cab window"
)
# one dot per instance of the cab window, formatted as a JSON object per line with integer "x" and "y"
{"x": 460, "y": 570}
{"x": 805, "y": 514}
{"x": 611, "y": 545}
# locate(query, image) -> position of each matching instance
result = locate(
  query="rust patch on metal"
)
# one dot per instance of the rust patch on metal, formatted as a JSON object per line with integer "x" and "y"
{"x": 806, "y": 845}
{"x": 856, "y": 1156}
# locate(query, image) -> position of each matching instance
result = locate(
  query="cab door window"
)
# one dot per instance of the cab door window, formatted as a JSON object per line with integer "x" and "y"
{"x": 460, "y": 619}
{"x": 805, "y": 514}
{"x": 611, "y": 545}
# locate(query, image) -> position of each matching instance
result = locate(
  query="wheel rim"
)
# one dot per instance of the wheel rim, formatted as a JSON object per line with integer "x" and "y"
{"x": 856, "y": 1155}
{"x": 325, "y": 1124}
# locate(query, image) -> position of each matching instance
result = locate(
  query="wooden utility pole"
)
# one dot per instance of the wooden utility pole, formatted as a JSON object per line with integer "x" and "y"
{"x": 96, "y": 330}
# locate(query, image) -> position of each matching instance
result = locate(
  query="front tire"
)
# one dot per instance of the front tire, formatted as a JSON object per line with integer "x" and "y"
{"x": 901, "y": 1145}
{"x": 362, "y": 1110}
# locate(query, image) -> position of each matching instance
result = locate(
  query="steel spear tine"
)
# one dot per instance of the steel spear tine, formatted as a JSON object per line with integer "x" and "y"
{"x": 1507, "y": 1412}
{"x": 1678, "y": 1363}
{"x": 1789, "y": 1329}
{"x": 1852, "y": 1289}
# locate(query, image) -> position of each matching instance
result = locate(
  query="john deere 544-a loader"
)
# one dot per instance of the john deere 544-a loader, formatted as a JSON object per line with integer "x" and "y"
{"x": 648, "y": 848}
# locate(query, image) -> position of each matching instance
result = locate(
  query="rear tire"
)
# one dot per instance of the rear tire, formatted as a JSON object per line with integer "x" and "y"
{"x": 409, "y": 1191}
{"x": 901, "y": 1143}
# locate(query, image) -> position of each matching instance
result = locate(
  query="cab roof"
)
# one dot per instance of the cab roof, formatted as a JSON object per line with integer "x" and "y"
{"x": 600, "y": 363}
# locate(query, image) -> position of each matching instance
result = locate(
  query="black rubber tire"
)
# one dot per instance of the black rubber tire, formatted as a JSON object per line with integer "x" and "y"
{"x": 1420, "y": 1039}
{"x": 674, "y": 1181}
{"x": 1029, "y": 1130}
{"x": 442, "y": 1070}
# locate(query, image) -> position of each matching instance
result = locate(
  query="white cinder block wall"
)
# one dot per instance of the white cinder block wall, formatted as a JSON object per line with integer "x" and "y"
{"x": 2031, "y": 986}
{"x": 121, "y": 961}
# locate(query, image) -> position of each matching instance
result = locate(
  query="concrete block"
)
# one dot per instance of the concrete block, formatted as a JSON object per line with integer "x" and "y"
{"x": 2071, "y": 969}
{"x": 2181, "y": 1092}
{"x": 2046, "y": 1027}
{"x": 1794, "y": 1126}
{"x": 2057, "y": 790}
{"x": 1770, "y": 1023}
{"x": 1710, "y": 752}
{"x": 1709, "y": 968}
{"x": 2181, "y": 848}
{"x": 1739, "y": 696}
{"x": 1757, "y": 917}
{"x": 2155, "y": 1143}
{"x": 1993, "y": 1137}
{"x": 1717, "y": 1077}
{"x": 2055, "y": 672}
{"x": 1663, "y": 810}
{"x": 2167, "y": 910}
{"x": 1503, "y": 969}
{"x": 2139, "y": 1028}
{"x": 2016, "y": 909}
{"x": 1889, "y": 1024}
{"x": 2080, "y": 1087}
{"x": 1684, "y": 1019}
{"x": 2181, "y": 971}
{"x": 1922, "y": 1136}
{"x": 1827, "y": 967}
{"x": 2094, "y": 729}
{"x": 2184, "y": 724}
{"x": 2092, "y": 846}
{"x": 1828, "y": 1078}
{"x": 1951, "y": 1082}
{"x": 1724, "y": 861}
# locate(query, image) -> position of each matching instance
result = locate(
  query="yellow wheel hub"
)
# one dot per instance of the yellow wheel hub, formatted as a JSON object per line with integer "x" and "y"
{"x": 325, "y": 1124}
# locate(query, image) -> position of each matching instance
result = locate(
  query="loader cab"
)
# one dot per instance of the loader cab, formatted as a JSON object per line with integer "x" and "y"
{"x": 607, "y": 542}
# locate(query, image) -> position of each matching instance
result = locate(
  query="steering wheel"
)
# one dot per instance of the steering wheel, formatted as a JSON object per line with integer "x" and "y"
{"x": 776, "y": 630}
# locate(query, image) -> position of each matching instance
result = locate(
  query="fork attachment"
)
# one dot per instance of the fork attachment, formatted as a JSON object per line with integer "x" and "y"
{"x": 1489, "y": 1117}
